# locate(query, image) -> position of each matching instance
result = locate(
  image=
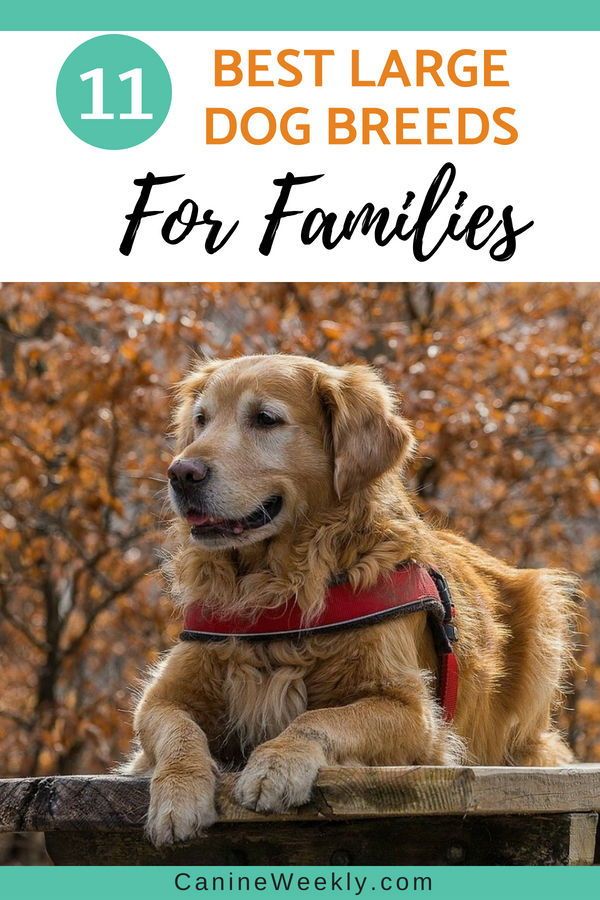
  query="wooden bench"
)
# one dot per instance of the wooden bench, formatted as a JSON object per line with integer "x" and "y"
{"x": 419, "y": 815}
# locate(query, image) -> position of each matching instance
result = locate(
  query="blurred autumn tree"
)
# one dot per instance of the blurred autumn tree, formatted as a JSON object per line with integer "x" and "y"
{"x": 501, "y": 381}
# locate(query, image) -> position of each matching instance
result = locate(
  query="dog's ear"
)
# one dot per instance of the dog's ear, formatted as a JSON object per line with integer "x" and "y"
{"x": 186, "y": 394}
{"x": 365, "y": 434}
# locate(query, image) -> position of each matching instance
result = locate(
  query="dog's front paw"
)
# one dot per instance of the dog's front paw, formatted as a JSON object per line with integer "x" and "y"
{"x": 181, "y": 807}
{"x": 278, "y": 777}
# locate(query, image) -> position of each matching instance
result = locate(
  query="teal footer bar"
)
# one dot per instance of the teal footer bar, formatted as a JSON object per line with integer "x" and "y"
{"x": 152, "y": 883}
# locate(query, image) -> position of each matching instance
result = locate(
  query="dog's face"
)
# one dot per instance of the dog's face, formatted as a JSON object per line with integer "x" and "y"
{"x": 264, "y": 441}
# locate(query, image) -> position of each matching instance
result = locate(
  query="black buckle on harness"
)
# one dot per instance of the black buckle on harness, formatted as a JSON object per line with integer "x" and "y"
{"x": 448, "y": 625}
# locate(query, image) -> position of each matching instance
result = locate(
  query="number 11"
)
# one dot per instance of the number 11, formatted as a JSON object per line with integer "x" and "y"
{"x": 97, "y": 78}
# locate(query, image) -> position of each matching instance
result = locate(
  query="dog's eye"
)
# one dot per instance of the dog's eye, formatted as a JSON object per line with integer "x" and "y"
{"x": 200, "y": 419}
{"x": 264, "y": 419}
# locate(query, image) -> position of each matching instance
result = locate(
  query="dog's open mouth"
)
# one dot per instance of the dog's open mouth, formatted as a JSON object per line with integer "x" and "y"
{"x": 203, "y": 525}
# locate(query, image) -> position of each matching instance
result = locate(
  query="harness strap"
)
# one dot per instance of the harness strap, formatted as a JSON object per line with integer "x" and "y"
{"x": 409, "y": 589}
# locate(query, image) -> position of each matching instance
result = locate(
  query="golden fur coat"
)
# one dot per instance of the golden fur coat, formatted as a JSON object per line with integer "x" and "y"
{"x": 330, "y": 447}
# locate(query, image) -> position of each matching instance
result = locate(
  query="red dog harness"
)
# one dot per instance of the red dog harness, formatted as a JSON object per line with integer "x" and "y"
{"x": 409, "y": 589}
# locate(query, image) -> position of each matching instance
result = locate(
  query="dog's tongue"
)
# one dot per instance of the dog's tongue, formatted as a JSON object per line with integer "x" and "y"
{"x": 200, "y": 519}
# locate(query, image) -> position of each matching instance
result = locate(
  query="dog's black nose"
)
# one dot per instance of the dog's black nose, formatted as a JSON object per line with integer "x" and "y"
{"x": 184, "y": 472}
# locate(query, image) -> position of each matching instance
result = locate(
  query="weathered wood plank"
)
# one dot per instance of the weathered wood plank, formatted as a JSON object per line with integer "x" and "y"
{"x": 439, "y": 840}
{"x": 427, "y": 790}
{"x": 66, "y": 803}
{"x": 582, "y": 842}
{"x": 117, "y": 803}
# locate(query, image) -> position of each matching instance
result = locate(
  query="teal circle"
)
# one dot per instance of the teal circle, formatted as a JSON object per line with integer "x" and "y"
{"x": 115, "y": 55}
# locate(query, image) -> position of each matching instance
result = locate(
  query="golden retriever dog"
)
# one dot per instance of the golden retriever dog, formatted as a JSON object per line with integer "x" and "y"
{"x": 288, "y": 473}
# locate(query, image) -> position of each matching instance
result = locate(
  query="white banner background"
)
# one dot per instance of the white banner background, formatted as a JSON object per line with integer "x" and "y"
{"x": 63, "y": 202}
